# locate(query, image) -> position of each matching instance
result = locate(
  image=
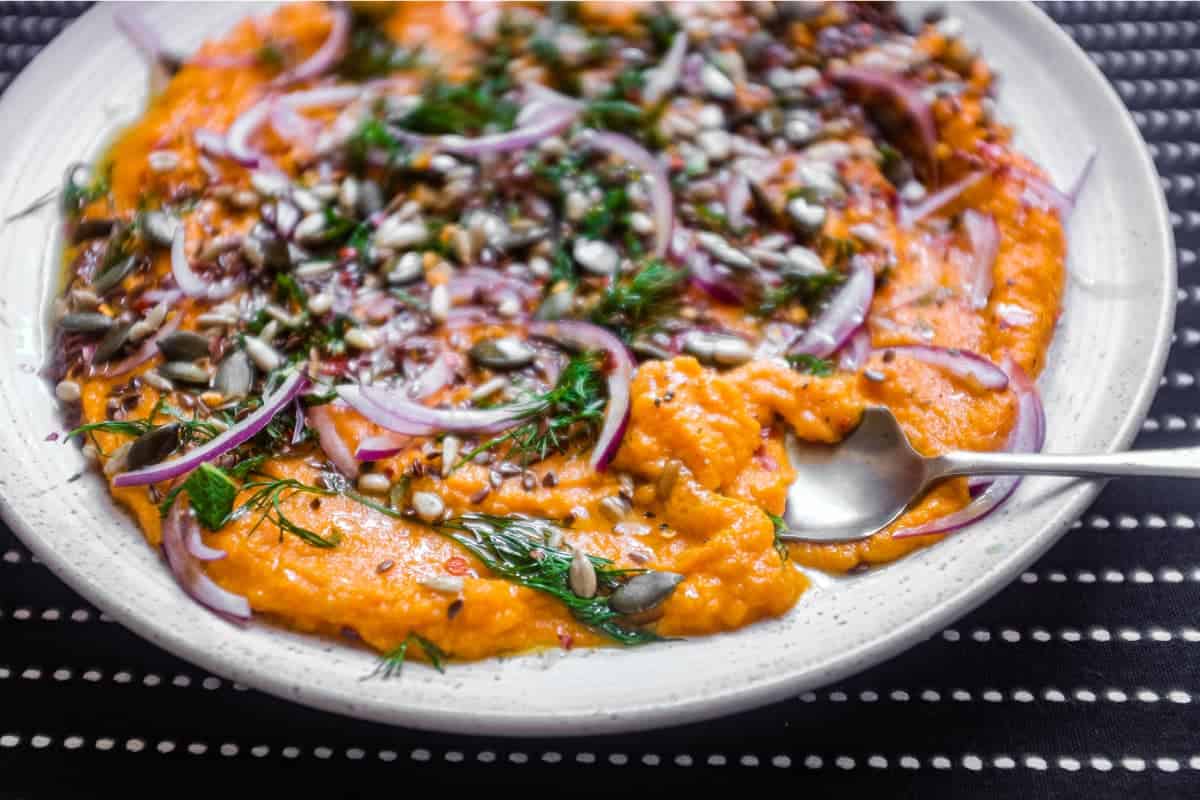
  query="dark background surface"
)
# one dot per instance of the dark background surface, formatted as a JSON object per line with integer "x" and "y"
{"x": 1081, "y": 679}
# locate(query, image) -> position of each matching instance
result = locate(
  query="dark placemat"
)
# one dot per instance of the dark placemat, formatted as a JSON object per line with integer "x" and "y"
{"x": 1082, "y": 678}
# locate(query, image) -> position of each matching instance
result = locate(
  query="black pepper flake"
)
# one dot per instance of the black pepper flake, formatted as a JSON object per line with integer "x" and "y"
{"x": 479, "y": 496}
{"x": 315, "y": 504}
{"x": 568, "y": 520}
{"x": 550, "y": 479}
{"x": 454, "y": 608}
{"x": 889, "y": 356}
{"x": 649, "y": 515}
{"x": 384, "y": 566}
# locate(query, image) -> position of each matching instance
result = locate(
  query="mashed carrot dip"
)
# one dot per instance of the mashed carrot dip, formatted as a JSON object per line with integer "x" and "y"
{"x": 463, "y": 330}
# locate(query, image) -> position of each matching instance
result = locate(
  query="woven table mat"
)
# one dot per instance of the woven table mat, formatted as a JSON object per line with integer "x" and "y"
{"x": 1082, "y": 678}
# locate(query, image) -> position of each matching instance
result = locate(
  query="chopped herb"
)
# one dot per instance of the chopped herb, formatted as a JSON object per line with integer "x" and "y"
{"x": 372, "y": 134}
{"x": 391, "y": 663}
{"x": 617, "y": 115}
{"x": 270, "y": 55}
{"x": 600, "y": 219}
{"x": 190, "y": 429}
{"x": 288, "y": 289}
{"x": 627, "y": 307}
{"x": 211, "y": 493}
{"x": 465, "y": 110}
{"x": 409, "y": 299}
{"x": 807, "y": 290}
{"x": 780, "y": 529}
{"x": 372, "y": 53}
{"x": 661, "y": 26}
{"x": 562, "y": 268}
{"x": 804, "y": 362}
{"x": 248, "y": 465}
{"x": 515, "y": 548}
{"x": 553, "y": 420}
{"x": 75, "y": 197}
{"x": 269, "y": 496}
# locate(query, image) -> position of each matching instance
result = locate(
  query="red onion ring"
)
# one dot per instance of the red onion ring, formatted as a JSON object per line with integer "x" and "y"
{"x": 856, "y": 350}
{"x": 662, "y": 79}
{"x": 962, "y": 363}
{"x": 147, "y": 351}
{"x": 910, "y": 215}
{"x": 237, "y": 138}
{"x": 294, "y": 127}
{"x": 189, "y": 282}
{"x": 326, "y": 56}
{"x": 1027, "y": 436}
{"x": 550, "y": 122}
{"x": 1014, "y": 316}
{"x": 394, "y": 410}
{"x": 844, "y": 314}
{"x": 298, "y": 428}
{"x": 433, "y": 379}
{"x": 331, "y": 441}
{"x": 196, "y": 546}
{"x": 984, "y": 235}
{"x": 376, "y": 448}
{"x": 223, "y": 61}
{"x": 148, "y": 44}
{"x": 219, "y": 445}
{"x": 708, "y": 276}
{"x": 176, "y": 532}
{"x": 907, "y": 96}
{"x": 660, "y": 187}
{"x": 211, "y": 143}
{"x": 584, "y": 335}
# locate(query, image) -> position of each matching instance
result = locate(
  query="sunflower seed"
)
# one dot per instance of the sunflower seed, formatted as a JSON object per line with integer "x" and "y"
{"x": 428, "y": 505}
{"x": 163, "y": 160}
{"x": 68, "y": 391}
{"x": 262, "y": 354}
{"x": 582, "y": 575}
{"x": 718, "y": 348}
{"x": 439, "y": 303}
{"x": 269, "y": 184}
{"x": 399, "y": 235}
{"x": 614, "y": 508}
{"x": 406, "y": 269}
{"x": 667, "y": 479}
{"x": 311, "y": 228}
{"x": 488, "y": 388}
{"x": 723, "y": 250}
{"x": 360, "y": 339}
{"x": 117, "y": 460}
{"x": 598, "y": 258}
{"x": 185, "y": 372}
{"x": 320, "y": 303}
{"x": 716, "y": 82}
{"x": 158, "y": 227}
{"x": 802, "y": 262}
{"x": 809, "y": 216}
{"x": 450, "y": 448}
{"x": 152, "y": 377}
{"x": 446, "y": 584}
{"x": 374, "y": 483}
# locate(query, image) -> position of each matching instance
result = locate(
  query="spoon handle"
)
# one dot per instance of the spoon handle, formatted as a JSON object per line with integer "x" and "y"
{"x": 1179, "y": 463}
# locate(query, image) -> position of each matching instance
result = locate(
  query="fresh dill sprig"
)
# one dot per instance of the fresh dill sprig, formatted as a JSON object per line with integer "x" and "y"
{"x": 627, "y": 307}
{"x": 516, "y": 548}
{"x": 191, "y": 430}
{"x": 553, "y": 420}
{"x": 269, "y": 496}
{"x": 391, "y": 663}
{"x": 807, "y": 290}
{"x": 464, "y": 109}
{"x": 803, "y": 362}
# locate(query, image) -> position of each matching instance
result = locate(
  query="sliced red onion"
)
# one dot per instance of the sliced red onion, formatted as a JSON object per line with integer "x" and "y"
{"x": 844, "y": 314}
{"x": 148, "y": 44}
{"x": 540, "y": 93}
{"x": 906, "y": 95}
{"x": 856, "y": 350}
{"x": 550, "y": 123}
{"x": 322, "y": 97}
{"x": 331, "y": 441}
{"x": 196, "y": 546}
{"x": 709, "y": 278}
{"x": 963, "y": 363}
{"x": 176, "y": 532}
{"x": 984, "y": 234}
{"x": 211, "y": 143}
{"x": 585, "y": 336}
{"x": 376, "y": 448}
{"x": 1081, "y": 179}
{"x": 737, "y": 200}
{"x": 473, "y": 281}
{"x": 237, "y": 138}
{"x": 652, "y": 169}
{"x": 328, "y": 54}
{"x": 662, "y": 79}
{"x": 211, "y": 170}
{"x": 395, "y": 410}
{"x": 223, "y": 61}
{"x": 189, "y": 282}
{"x": 1027, "y": 436}
{"x": 433, "y": 379}
{"x": 910, "y": 215}
{"x": 147, "y": 351}
{"x": 294, "y": 127}
{"x": 219, "y": 445}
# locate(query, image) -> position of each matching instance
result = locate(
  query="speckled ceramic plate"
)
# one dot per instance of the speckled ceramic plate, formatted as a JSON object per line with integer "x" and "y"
{"x": 1102, "y": 372}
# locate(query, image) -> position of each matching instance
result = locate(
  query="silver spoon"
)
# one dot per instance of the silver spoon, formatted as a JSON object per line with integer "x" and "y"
{"x": 851, "y": 490}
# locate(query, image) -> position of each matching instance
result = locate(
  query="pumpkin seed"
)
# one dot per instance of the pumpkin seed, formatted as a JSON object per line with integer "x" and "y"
{"x": 556, "y": 305}
{"x": 153, "y": 446}
{"x": 503, "y": 353}
{"x": 717, "y": 348}
{"x": 111, "y": 278}
{"x": 86, "y": 322}
{"x": 644, "y": 592}
{"x": 581, "y": 576}
{"x": 112, "y": 342}
{"x": 185, "y": 372}
{"x": 184, "y": 346}
{"x": 614, "y": 508}
{"x": 92, "y": 229}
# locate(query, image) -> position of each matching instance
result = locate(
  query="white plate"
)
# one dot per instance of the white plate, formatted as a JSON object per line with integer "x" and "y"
{"x": 1103, "y": 371}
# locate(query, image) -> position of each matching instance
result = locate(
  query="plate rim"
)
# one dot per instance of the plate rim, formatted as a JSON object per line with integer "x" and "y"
{"x": 730, "y": 699}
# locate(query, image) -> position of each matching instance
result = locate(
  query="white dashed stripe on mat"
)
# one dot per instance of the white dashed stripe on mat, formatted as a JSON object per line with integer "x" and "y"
{"x": 972, "y": 762}
{"x": 1136, "y": 577}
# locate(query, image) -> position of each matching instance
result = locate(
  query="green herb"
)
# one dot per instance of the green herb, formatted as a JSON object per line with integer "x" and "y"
{"x": 270, "y": 55}
{"x": 372, "y": 134}
{"x": 248, "y": 465}
{"x": 804, "y": 362}
{"x": 515, "y": 548}
{"x": 780, "y": 529}
{"x": 269, "y": 496}
{"x": 211, "y": 493}
{"x": 75, "y": 197}
{"x": 807, "y": 290}
{"x": 465, "y": 110}
{"x": 372, "y": 53}
{"x": 600, "y": 219}
{"x": 562, "y": 268}
{"x": 392, "y": 663}
{"x": 409, "y": 300}
{"x": 288, "y": 289}
{"x": 629, "y": 306}
{"x": 190, "y": 429}
{"x": 551, "y": 421}
{"x": 617, "y": 115}
{"x": 712, "y": 220}
{"x": 661, "y": 26}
